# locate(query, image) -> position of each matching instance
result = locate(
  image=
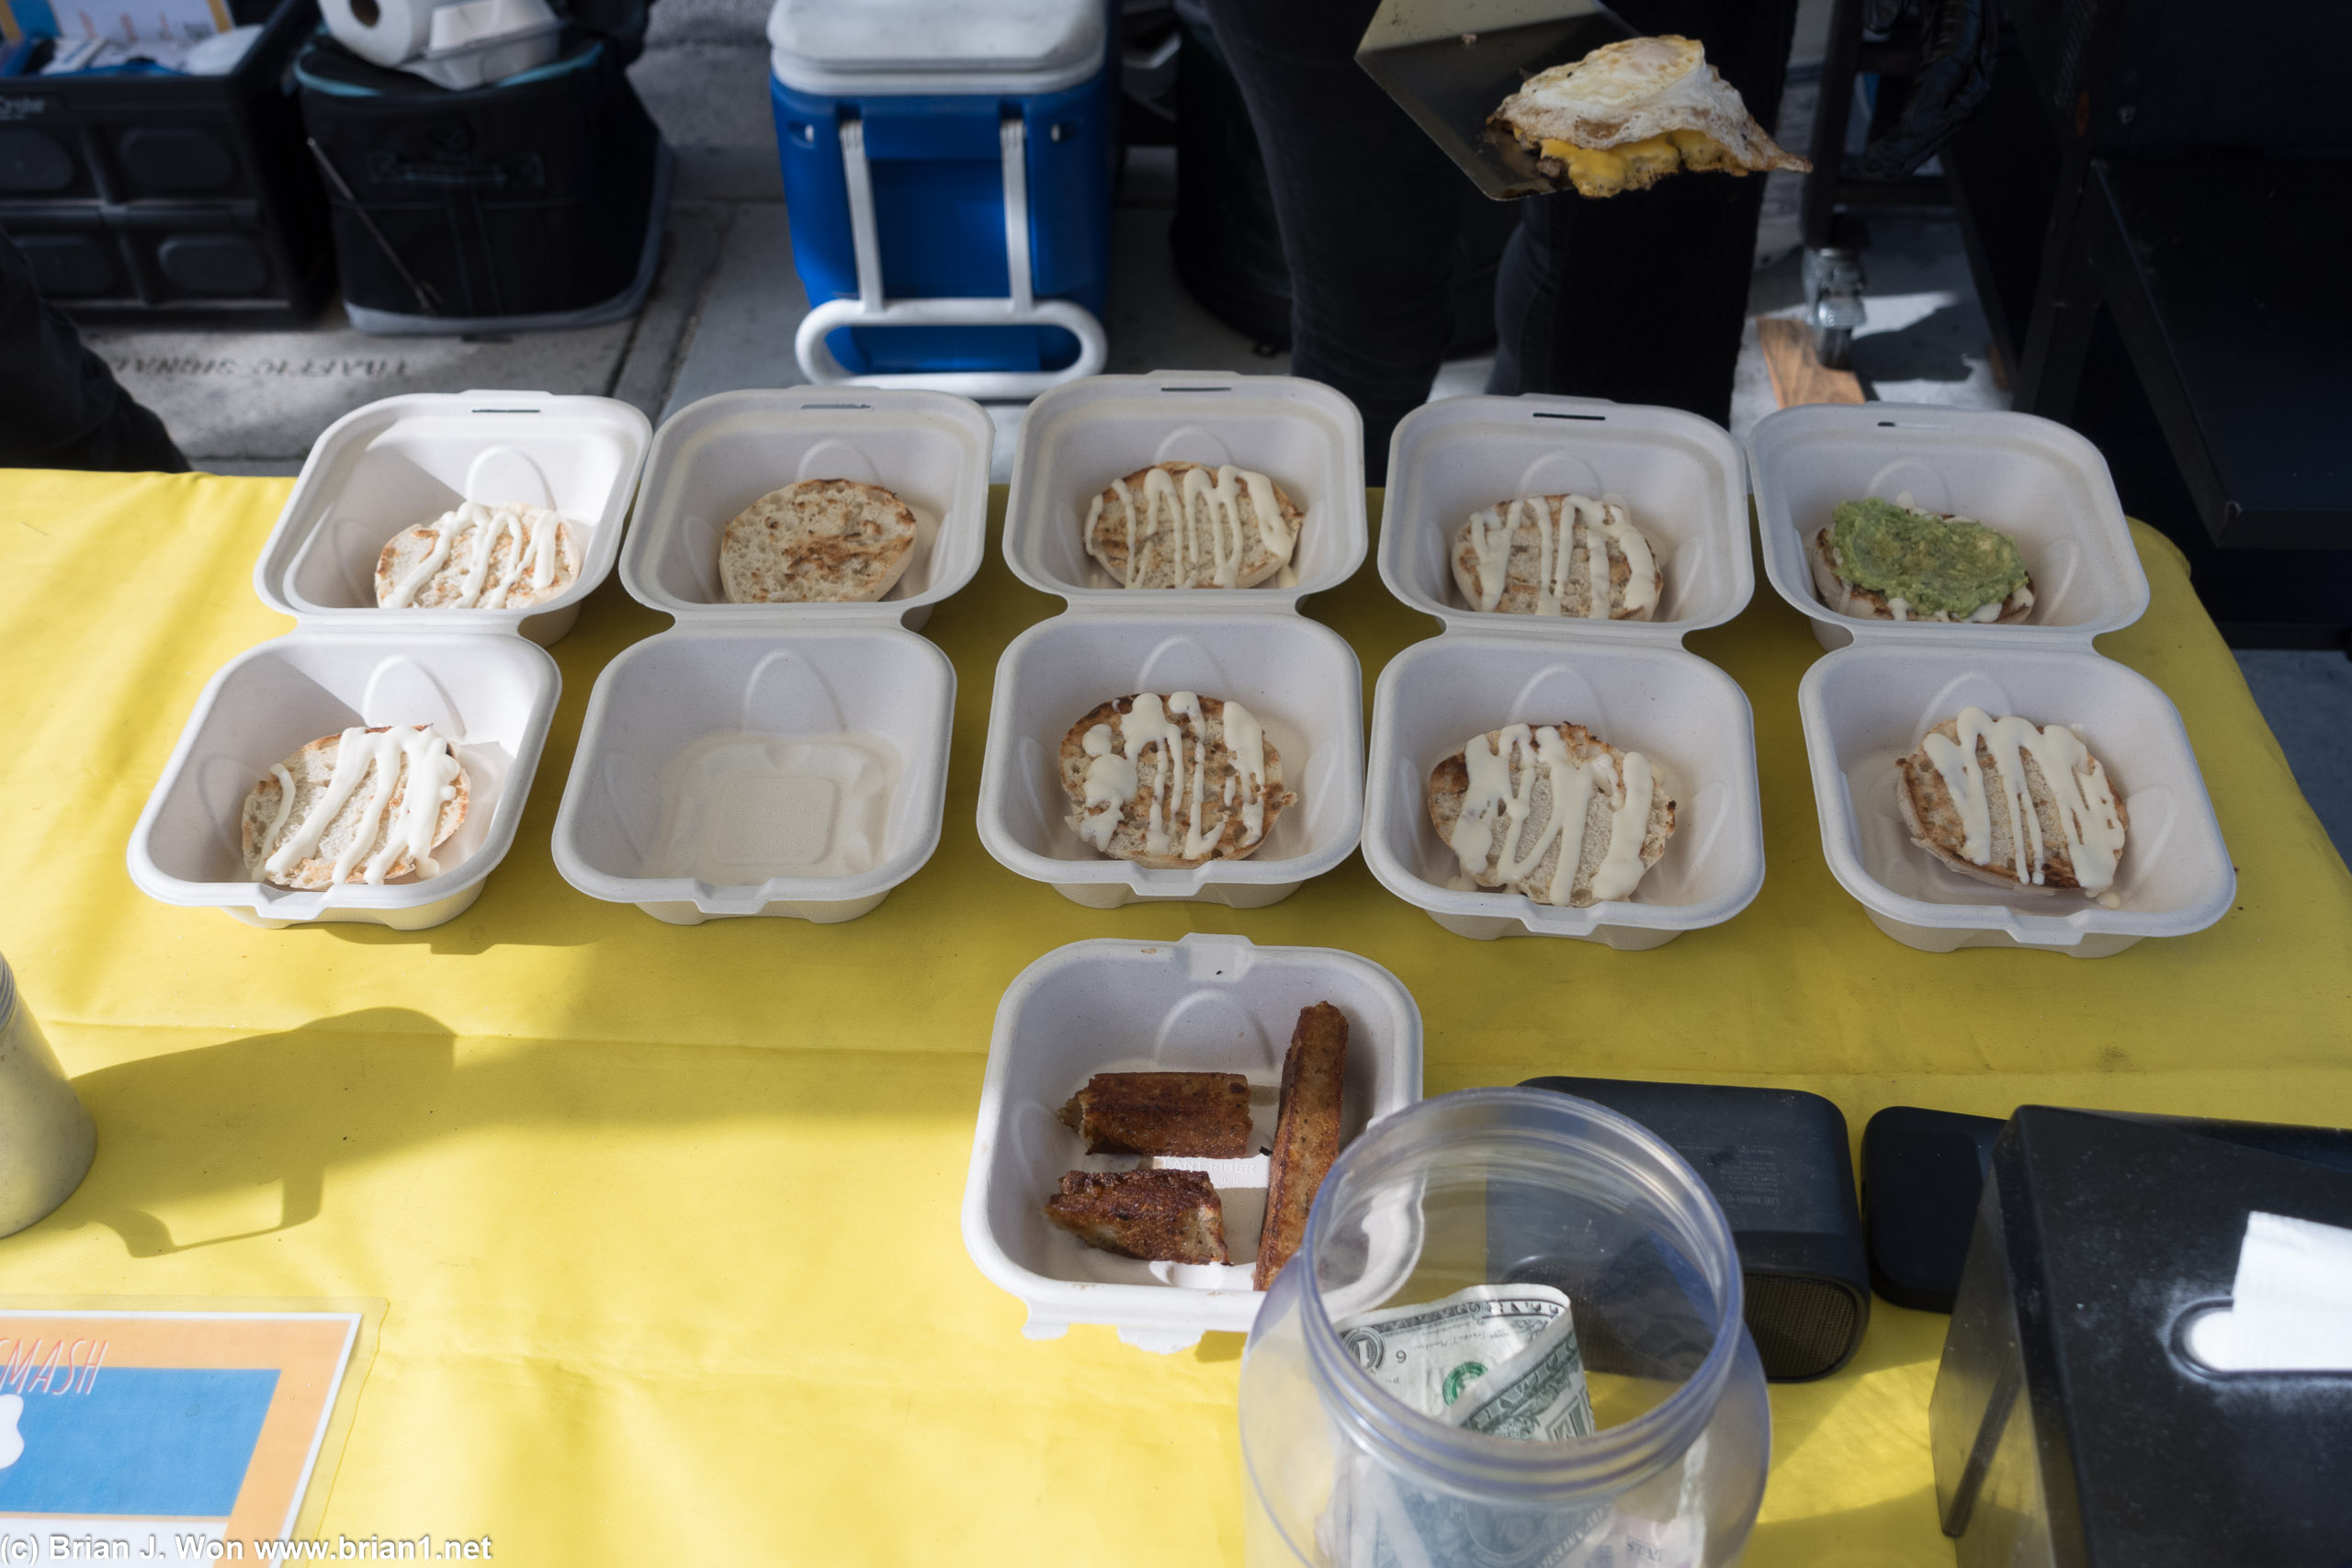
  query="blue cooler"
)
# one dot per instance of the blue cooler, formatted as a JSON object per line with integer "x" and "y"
{"x": 948, "y": 169}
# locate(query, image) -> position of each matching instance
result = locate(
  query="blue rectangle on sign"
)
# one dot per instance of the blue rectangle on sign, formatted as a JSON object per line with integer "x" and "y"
{"x": 157, "y": 1440}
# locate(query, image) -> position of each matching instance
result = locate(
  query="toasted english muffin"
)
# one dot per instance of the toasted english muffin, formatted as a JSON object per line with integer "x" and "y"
{"x": 821, "y": 541}
{"x": 477, "y": 557}
{"x": 268, "y": 820}
{"x": 1869, "y": 604}
{"x": 1938, "y": 821}
{"x": 1115, "y": 765}
{"x": 1204, "y": 532}
{"x": 1509, "y": 558}
{"x": 1497, "y": 821}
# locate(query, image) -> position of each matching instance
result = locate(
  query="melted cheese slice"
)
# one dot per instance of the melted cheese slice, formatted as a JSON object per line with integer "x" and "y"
{"x": 1605, "y": 171}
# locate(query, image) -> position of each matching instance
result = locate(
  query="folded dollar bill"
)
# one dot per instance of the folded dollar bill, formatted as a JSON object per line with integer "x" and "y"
{"x": 1495, "y": 1359}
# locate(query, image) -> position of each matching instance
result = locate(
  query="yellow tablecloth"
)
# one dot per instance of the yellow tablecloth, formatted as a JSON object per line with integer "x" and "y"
{"x": 667, "y": 1217}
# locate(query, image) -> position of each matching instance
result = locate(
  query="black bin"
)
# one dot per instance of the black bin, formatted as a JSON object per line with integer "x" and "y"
{"x": 531, "y": 202}
{"x": 163, "y": 200}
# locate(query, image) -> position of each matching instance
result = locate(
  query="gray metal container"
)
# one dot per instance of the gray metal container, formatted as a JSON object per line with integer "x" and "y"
{"x": 47, "y": 1139}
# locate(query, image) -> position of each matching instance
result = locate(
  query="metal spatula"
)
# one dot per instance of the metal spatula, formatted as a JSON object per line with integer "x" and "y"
{"x": 1449, "y": 64}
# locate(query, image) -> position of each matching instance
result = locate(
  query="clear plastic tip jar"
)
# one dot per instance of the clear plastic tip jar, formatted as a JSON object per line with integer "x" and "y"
{"x": 1507, "y": 1187}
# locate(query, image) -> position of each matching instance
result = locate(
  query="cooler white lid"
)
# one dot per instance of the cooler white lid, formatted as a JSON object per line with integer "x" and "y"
{"x": 903, "y": 46}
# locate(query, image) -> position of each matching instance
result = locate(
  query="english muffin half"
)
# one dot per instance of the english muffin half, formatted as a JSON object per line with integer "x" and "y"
{"x": 478, "y": 557}
{"x": 1551, "y": 812}
{"x": 1533, "y": 556}
{"x": 1174, "y": 783}
{"x": 821, "y": 541}
{"x": 2053, "y": 822}
{"x": 327, "y": 809}
{"x": 1181, "y": 524}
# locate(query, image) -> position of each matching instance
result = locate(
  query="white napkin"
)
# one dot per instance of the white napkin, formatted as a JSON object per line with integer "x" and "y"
{"x": 2291, "y": 1309}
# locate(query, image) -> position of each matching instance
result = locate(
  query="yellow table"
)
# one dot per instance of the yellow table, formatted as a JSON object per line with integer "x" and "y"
{"x": 667, "y": 1217}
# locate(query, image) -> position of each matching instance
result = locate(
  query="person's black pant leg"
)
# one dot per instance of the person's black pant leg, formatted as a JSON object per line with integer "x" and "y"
{"x": 59, "y": 406}
{"x": 1370, "y": 209}
{"x": 1641, "y": 296}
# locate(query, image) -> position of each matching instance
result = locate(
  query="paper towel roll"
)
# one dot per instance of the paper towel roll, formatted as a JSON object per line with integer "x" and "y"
{"x": 384, "y": 32}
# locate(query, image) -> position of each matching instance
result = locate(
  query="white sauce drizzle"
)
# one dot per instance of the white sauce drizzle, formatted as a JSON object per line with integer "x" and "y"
{"x": 1112, "y": 777}
{"x": 1502, "y": 795}
{"x": 2077, "y": 786}
{"x": 1597, "y": 526}
{"x": 430, "y": 766}
{"x": 536, "y": 532}
{"x": 1206, "y": 522}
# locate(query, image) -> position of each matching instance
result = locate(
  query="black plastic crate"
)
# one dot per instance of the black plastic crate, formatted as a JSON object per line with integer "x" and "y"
{"x": 164, "y": 200}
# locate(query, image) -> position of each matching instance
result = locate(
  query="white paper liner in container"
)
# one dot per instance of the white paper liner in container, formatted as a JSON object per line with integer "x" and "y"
{"x": 1248, "y": 644}
{"x": 714, "y": 457}
{"x": 1864, "y": 708}
{"x": 1079, "y": 436}
{"x": 403, "y": 461}
{"x": 491, "y": 695}
{"x": 710, "y": 751}
{"x": 650, "y": 820}
{"x": 1630, "y": 682}
{"x": 1679, "y": 475}
{"x": 2039, "y": 483}
{"x": 1201, "y": 1004}
{"x": 1690, "y": 718}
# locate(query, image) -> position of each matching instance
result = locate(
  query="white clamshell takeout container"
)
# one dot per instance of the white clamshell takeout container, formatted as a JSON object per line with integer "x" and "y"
{"x": 656, "y": 699}
{"x": 1630, "y": 682}
{"x": 1886, "y": 683}
{"x": 782, "y": 670}
{"x": 402, "y": 461}
{"x": 2037, "y": 481}
{"x": 1864, "y": 708}
{"x": 478, "y": 675}
{"x": 714, "y": 457}
{"x": 1686, "y": 715}
{"x": 1202, "y": 1004}
{"x": 491, "y": 695}
{"x": 1080, "y": 435}
{"x": 1679, "y": 475}
{"x": 1298, "y": 677}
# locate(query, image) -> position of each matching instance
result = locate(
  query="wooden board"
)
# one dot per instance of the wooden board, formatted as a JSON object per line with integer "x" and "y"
{"x": 1797, "y": 376}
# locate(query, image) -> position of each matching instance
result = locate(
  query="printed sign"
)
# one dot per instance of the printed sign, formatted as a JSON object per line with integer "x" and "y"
{"x": 185, "y": 1428}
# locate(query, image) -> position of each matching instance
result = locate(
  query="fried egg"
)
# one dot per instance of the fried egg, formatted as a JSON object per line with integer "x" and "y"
{"x": 1629, "y": 114}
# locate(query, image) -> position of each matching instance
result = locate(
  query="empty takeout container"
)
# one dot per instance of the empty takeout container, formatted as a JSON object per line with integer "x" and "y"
{"x": 1249, "y": 645}
{"x": 785, "y": 760}
{"x": 686, "y": 837}
{"x": 475, "y": 674}
{"x": 2037, "y": 481}
{"x": 394, "y": 464}
{"x": 1630, "y": 682}
{"x": 1865, "y": 705}
{"x": 1201, "y": 1004}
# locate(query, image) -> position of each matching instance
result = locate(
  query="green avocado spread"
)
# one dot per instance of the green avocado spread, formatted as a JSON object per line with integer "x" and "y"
{"x": 1935, "y": 565}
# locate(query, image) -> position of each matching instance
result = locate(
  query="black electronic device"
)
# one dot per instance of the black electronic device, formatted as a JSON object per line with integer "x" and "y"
{"x": 1779, "y": 1163}
{"x": 2068, "y": 1426}
{"x": 1922, "y": 1173}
